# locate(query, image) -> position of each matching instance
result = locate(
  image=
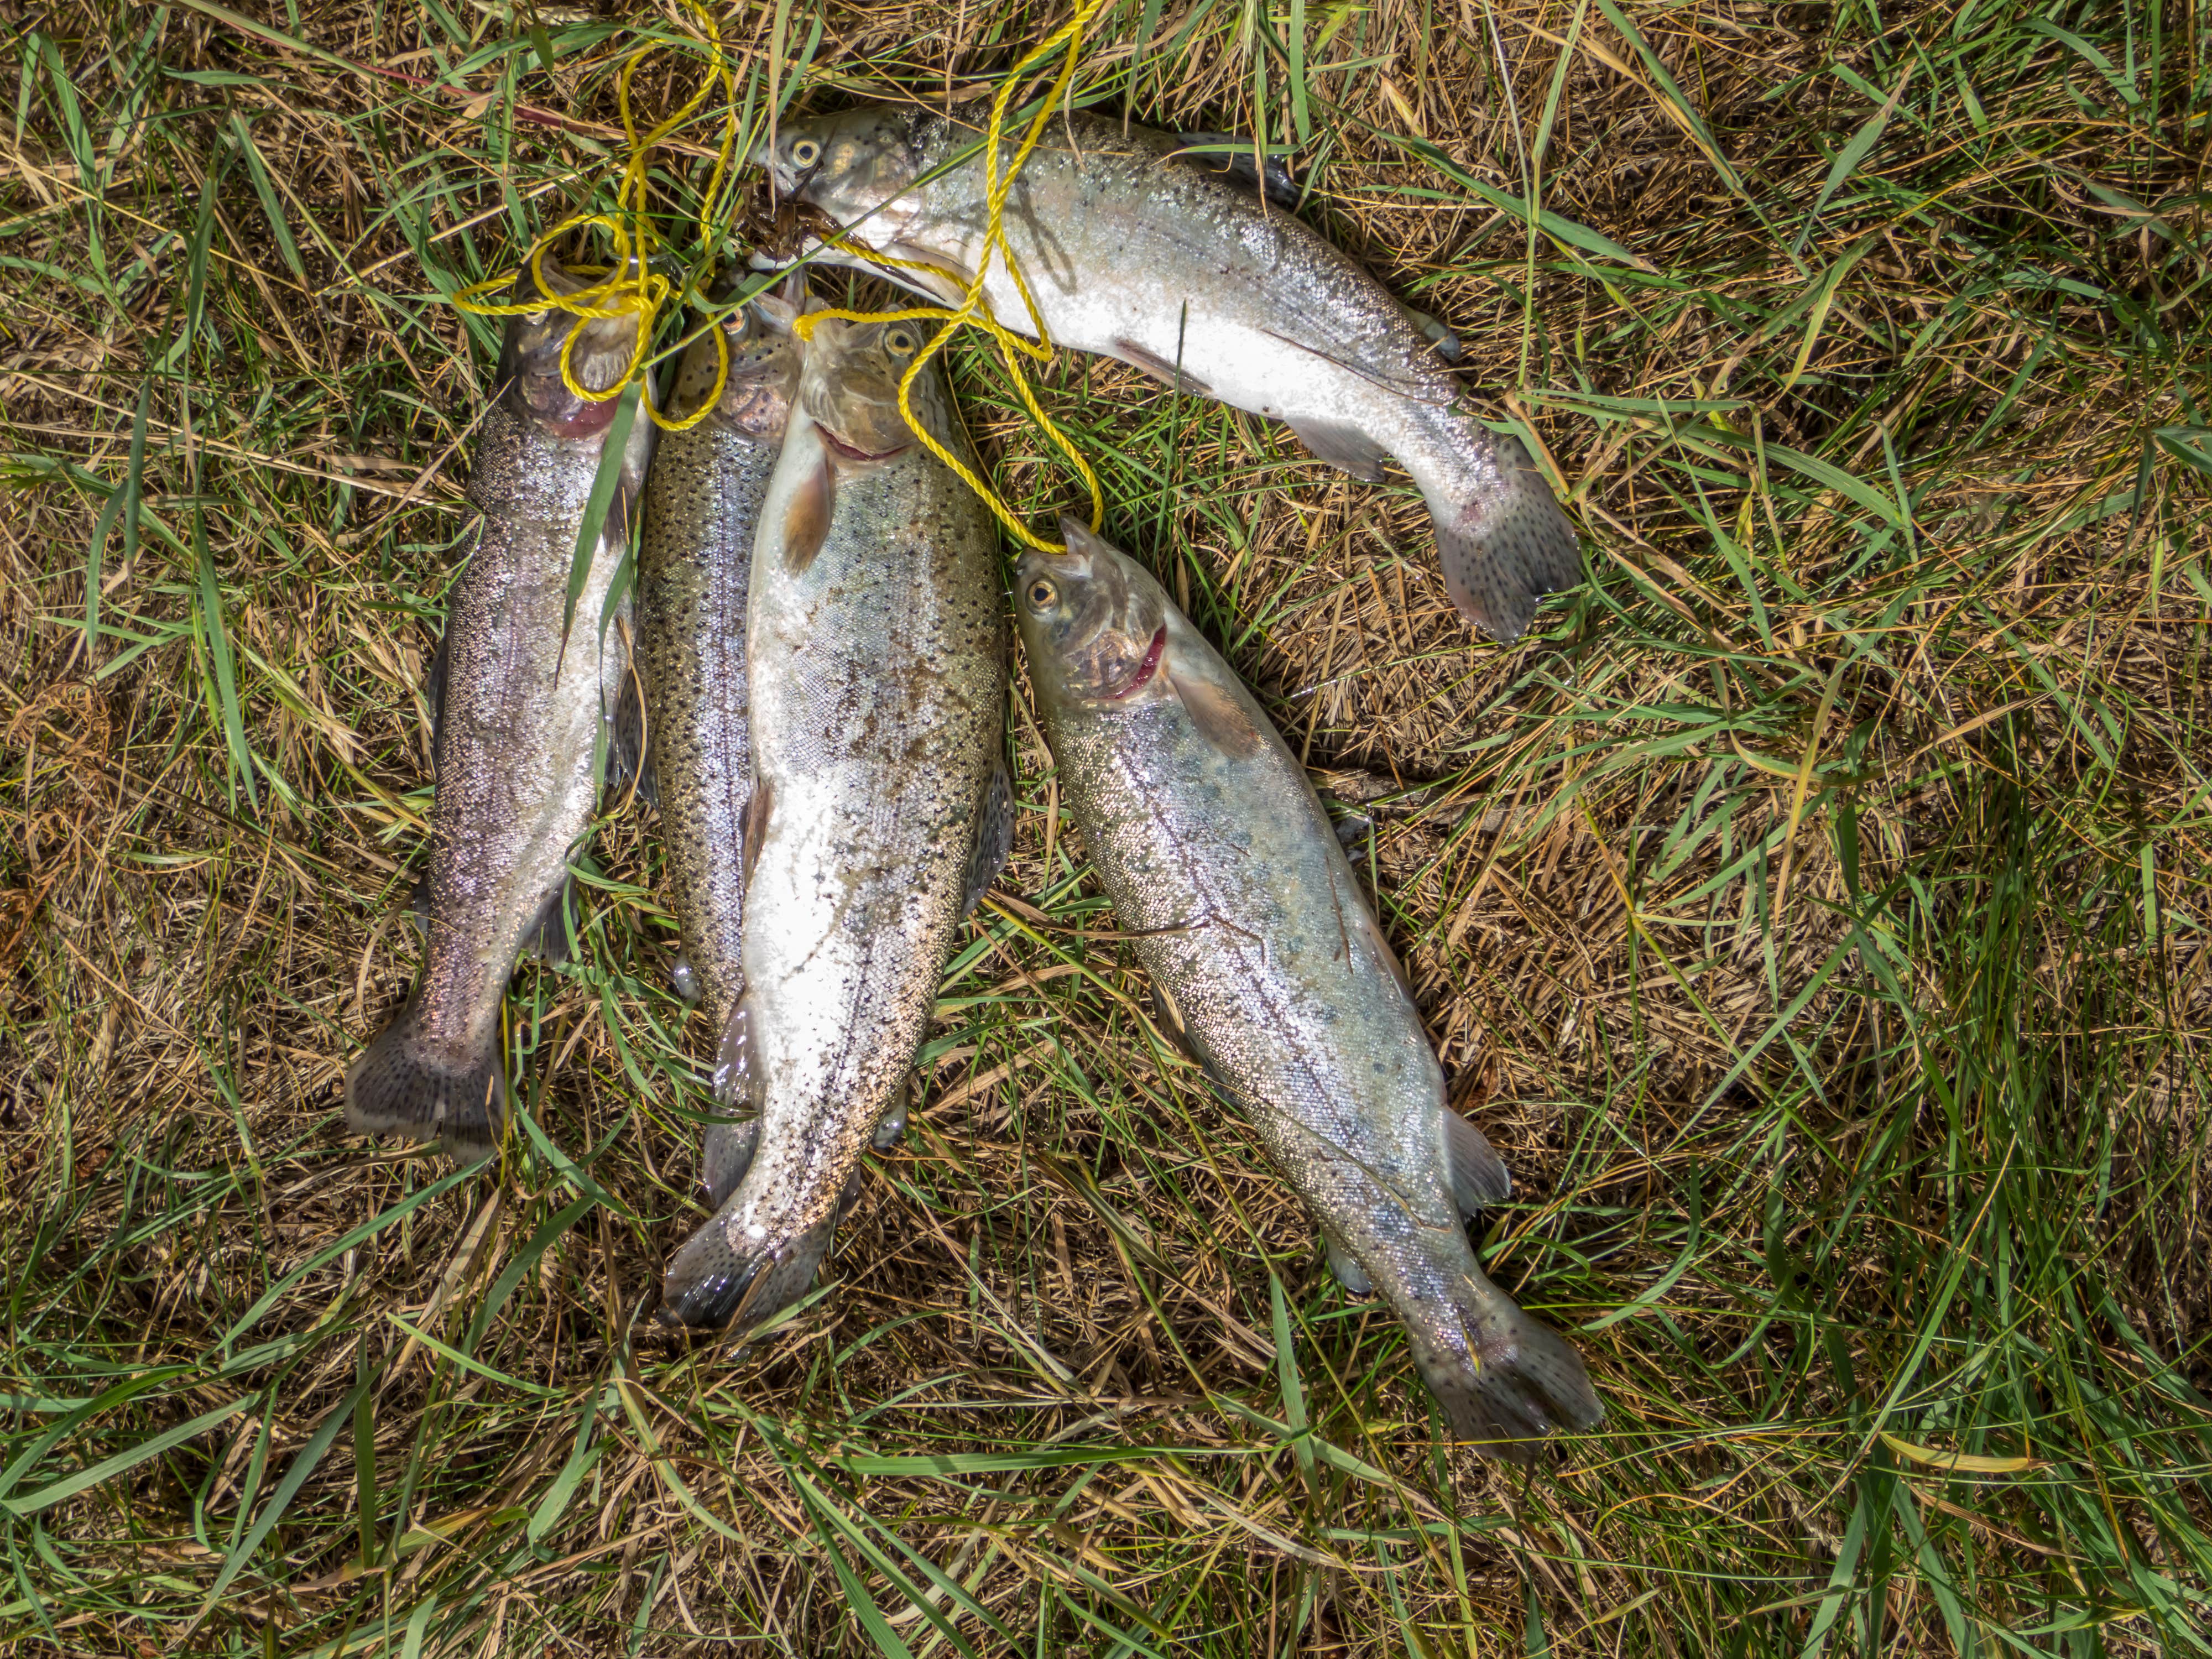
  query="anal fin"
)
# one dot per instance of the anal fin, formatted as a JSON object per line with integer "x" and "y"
{"x": 1479, "y": 1178}
{"x": 1349, "y": 1273}
{"x": 551, "y": 934}
{"x": 994, "y": 837}
{"x": 725, "y": 1152}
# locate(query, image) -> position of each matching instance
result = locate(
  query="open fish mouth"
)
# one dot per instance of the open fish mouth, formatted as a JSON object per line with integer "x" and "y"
{"x": 1144, "y": 669}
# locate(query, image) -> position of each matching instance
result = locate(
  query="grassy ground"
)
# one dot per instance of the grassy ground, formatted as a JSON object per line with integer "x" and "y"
{"x": 1812, "y": 909}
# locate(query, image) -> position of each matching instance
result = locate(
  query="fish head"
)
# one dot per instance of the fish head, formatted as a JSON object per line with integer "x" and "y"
{"x": 851, "y": 389}
{"x": 756, "y": 360}
{"x": 1093, "y": 621}
{"x": 599, "y": 351}
{"x": 848, "y": 164}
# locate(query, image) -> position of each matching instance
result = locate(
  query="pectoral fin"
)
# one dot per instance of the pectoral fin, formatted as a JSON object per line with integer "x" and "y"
{"x": 1159, "y": 367}
{"x": 753, "y": 830}
{"x": 1345, "y": 447}
{"x": 1220, "y": 716}
{"x": 806, "y": 516}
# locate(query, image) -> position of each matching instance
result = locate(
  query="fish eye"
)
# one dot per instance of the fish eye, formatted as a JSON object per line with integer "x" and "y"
{"x": 806, "y": 151}
{"x": 1042, "y": 594}
{"x": 900, "y": 341}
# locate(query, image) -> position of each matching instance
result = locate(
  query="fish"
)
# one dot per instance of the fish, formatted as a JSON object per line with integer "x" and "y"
{"x": 1267, "y": 964}
{"x": 1132, "y": 250}
{"x": 703, "y": 510}
{"x": 524, "y": 710}
{"x": 877, "y": 645}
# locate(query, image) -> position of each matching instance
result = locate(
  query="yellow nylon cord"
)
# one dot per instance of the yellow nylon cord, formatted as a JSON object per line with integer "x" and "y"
{"x": 975, "y": 309}
{"x": 630, "y": 286}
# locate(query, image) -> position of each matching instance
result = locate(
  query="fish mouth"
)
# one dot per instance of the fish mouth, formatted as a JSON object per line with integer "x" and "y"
{"x": 845, "y": 451}
{"x": 1145, "y": 669}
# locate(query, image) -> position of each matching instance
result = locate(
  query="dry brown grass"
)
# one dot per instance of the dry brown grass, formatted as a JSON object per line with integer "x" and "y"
{"x": 1812, "y": 913}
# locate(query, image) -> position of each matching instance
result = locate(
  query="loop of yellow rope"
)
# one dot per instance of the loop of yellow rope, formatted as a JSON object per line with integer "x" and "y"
{"x": 975, "y": 309}
{"x": 630, "y": 288}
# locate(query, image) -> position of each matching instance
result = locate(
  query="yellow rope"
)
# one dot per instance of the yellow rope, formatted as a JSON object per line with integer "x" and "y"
{"x": 975, "y": 310}
{"x": 630, "y": 286}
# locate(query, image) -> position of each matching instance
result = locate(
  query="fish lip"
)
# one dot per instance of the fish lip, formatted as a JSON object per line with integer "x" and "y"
{"x": 1145, "y": 669}
{"x": 850, "y": 452}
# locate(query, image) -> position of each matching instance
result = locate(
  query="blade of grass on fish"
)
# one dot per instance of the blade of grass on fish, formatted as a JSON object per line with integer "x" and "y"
{"x": 605, "y": 483}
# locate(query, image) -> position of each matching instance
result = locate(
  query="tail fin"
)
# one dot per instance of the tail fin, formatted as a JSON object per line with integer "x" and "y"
{"x": 720, "y": 1276}
{"x": 405, "y": 1084}
{"x": 1503, "y": 541}
{"x": 1524, "y": 1381}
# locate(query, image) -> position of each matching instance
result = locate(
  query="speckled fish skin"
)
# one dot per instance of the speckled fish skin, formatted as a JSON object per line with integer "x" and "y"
{"x": 522, "y": 716}
{"x": 876, "y": 640}
{"x": 702, "y": 508}
{"x": 1221, "y": 860}
{"x": 1168, "y": 266}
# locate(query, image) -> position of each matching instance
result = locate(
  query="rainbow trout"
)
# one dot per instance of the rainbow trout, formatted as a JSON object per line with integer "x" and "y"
{"x": 876, "y": 640}
{"x": 703, "y": 510}
{"x": 1135, "y": 252}
{"x": 1220, "y": 860}
{"x": 522, "y": 712}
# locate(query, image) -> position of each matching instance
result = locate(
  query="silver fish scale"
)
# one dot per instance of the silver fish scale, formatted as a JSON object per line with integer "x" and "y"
{"x": 516, "y": 784}
{"x": 879, "y": 689}
{"x": 1219, "y": 859}
{"x": 703, "y": 510}
{"x": 1183, "y": 239}
{"x": 1130, "y": 253}
{"x": 1252, "y": 919}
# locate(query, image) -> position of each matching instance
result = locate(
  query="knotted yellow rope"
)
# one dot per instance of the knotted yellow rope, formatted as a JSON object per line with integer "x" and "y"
{"x": 974, "y": 310}
{"x": 630, "y": 286}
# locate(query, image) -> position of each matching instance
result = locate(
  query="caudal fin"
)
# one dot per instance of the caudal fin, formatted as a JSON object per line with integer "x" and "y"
{"x": 405, "y": 1084}
{"x": 1502, "y": 538}
{"x": 721, "y": 1276}
{"x": 1522, "y": 1381}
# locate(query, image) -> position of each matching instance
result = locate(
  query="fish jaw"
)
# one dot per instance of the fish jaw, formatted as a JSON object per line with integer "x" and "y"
{"x": 598, "y": 350}
{"x": 757, "y": 362}
{"x": 1095, "y": 623}
{"x": 848, "y": 164}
